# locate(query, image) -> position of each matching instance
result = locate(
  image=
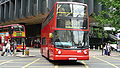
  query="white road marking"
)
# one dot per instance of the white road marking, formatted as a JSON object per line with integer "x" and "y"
{"x": 106, "y": 62}
{"x": 31, "y": 63}
{"x": 6, "y": 62}
{"x": 86, "y": 66}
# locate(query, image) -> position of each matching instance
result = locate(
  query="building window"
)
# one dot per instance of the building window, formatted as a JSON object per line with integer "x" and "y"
{"x": 81, "y": 1}
{"x": 86, "y": 1}
{"x": 62, "y": 0}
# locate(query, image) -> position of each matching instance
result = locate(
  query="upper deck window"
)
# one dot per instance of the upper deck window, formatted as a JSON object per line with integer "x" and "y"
{"x": 18, "y": 28}
{"x": 72, "y": 16}
{"x": 74, "y": 10}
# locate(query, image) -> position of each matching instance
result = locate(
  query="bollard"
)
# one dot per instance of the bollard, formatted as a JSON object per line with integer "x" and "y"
{"x": 23, "y": 48}
{"x": 27, "y": 51}
{"x": 98, "y": 47}
{"x": 101, "y": 46}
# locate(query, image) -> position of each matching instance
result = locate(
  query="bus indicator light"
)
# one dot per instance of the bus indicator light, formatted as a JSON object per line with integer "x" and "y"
{"x": 85, "y": 52}
{"x": 50, "y": 35}
{"x": 57, "y": 49}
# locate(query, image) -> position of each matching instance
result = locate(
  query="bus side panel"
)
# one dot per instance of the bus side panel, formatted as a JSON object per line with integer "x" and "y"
{"x": 46, "y": 49}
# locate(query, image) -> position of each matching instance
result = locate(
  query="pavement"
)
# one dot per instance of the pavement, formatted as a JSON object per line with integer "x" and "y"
{"x": 97, "y": 60}
{"x": 99, "y": 53}
{"x": 36, "y": 52}
{"x": 32, "y": 53}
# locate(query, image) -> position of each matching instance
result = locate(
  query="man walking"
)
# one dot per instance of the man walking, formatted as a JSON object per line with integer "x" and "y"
{"x": 108, "y": 49}
{"x": 8, "y": 48}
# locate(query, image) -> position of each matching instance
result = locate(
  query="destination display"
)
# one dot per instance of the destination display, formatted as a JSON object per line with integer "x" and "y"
{"x": 18, "y": 34}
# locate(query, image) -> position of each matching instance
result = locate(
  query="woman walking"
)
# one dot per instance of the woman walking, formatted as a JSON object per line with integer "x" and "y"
{"x": 8, "y": 48}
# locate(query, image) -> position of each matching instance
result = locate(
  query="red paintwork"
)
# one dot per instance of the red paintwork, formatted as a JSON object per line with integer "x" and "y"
{"x": 49, "y": 50}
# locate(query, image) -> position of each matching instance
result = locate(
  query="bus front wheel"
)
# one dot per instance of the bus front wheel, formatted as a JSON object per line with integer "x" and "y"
{"x": 48, "y": 55}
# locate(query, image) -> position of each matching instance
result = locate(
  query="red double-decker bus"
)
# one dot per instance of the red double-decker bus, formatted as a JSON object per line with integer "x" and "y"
{"x": 65, "y": 32}
{"x": 14, "y": 32}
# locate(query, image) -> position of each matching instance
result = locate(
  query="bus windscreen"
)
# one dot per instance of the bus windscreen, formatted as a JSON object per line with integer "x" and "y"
{"x": 67, "y": 39}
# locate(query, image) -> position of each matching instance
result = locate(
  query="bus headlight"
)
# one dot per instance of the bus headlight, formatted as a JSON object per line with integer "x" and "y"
{"x": 85, "y": 52}
{"x": 59, "y": 52}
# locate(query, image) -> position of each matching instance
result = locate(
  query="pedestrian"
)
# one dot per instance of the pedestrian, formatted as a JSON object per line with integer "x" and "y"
{"x": 108, "y": 49}
{"x": 8, "y": 48}
{"x": 14, "y": 44}
{"x": 4, "y": 48}
{"x": 118, "y": 47}
{"x": 105, "y": 50}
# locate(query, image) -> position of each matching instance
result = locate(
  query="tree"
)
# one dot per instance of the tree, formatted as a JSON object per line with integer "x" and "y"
{"x": 110, "y": 15}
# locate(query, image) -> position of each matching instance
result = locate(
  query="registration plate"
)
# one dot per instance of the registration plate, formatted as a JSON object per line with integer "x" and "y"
{"x": 72, "y": 58}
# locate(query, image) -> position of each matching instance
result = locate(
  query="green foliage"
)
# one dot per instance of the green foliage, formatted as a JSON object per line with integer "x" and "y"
{"x": 99, "y": 35}
{"x": 97, "y": 32}
{"x": 110, "y": 14}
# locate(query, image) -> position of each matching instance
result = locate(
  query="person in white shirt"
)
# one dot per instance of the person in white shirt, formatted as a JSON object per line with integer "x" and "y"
{"x": 105, "y": 49}
{"x": 108, "y": 49}
{"x": 8, "y": 48}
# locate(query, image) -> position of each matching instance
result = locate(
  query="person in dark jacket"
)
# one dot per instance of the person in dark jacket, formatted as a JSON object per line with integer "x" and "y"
{"x": 4, "y": 48}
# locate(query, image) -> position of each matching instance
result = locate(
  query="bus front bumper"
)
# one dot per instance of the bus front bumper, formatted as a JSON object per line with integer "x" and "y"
{"x": 71, "y": 57}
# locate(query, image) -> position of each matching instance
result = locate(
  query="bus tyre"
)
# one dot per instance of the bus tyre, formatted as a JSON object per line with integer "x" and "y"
{"x": 42, "y": 52}
{"x": 73, "y": 60}
{"x": 48, "y": 55}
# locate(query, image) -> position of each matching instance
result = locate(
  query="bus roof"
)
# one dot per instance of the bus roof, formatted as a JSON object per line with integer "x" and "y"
{"x": 11, "y": 25}
{"x": 72, "y": 3}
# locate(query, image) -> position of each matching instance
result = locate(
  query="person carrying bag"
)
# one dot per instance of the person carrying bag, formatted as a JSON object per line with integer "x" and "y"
{"x": 4, "y": 48}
